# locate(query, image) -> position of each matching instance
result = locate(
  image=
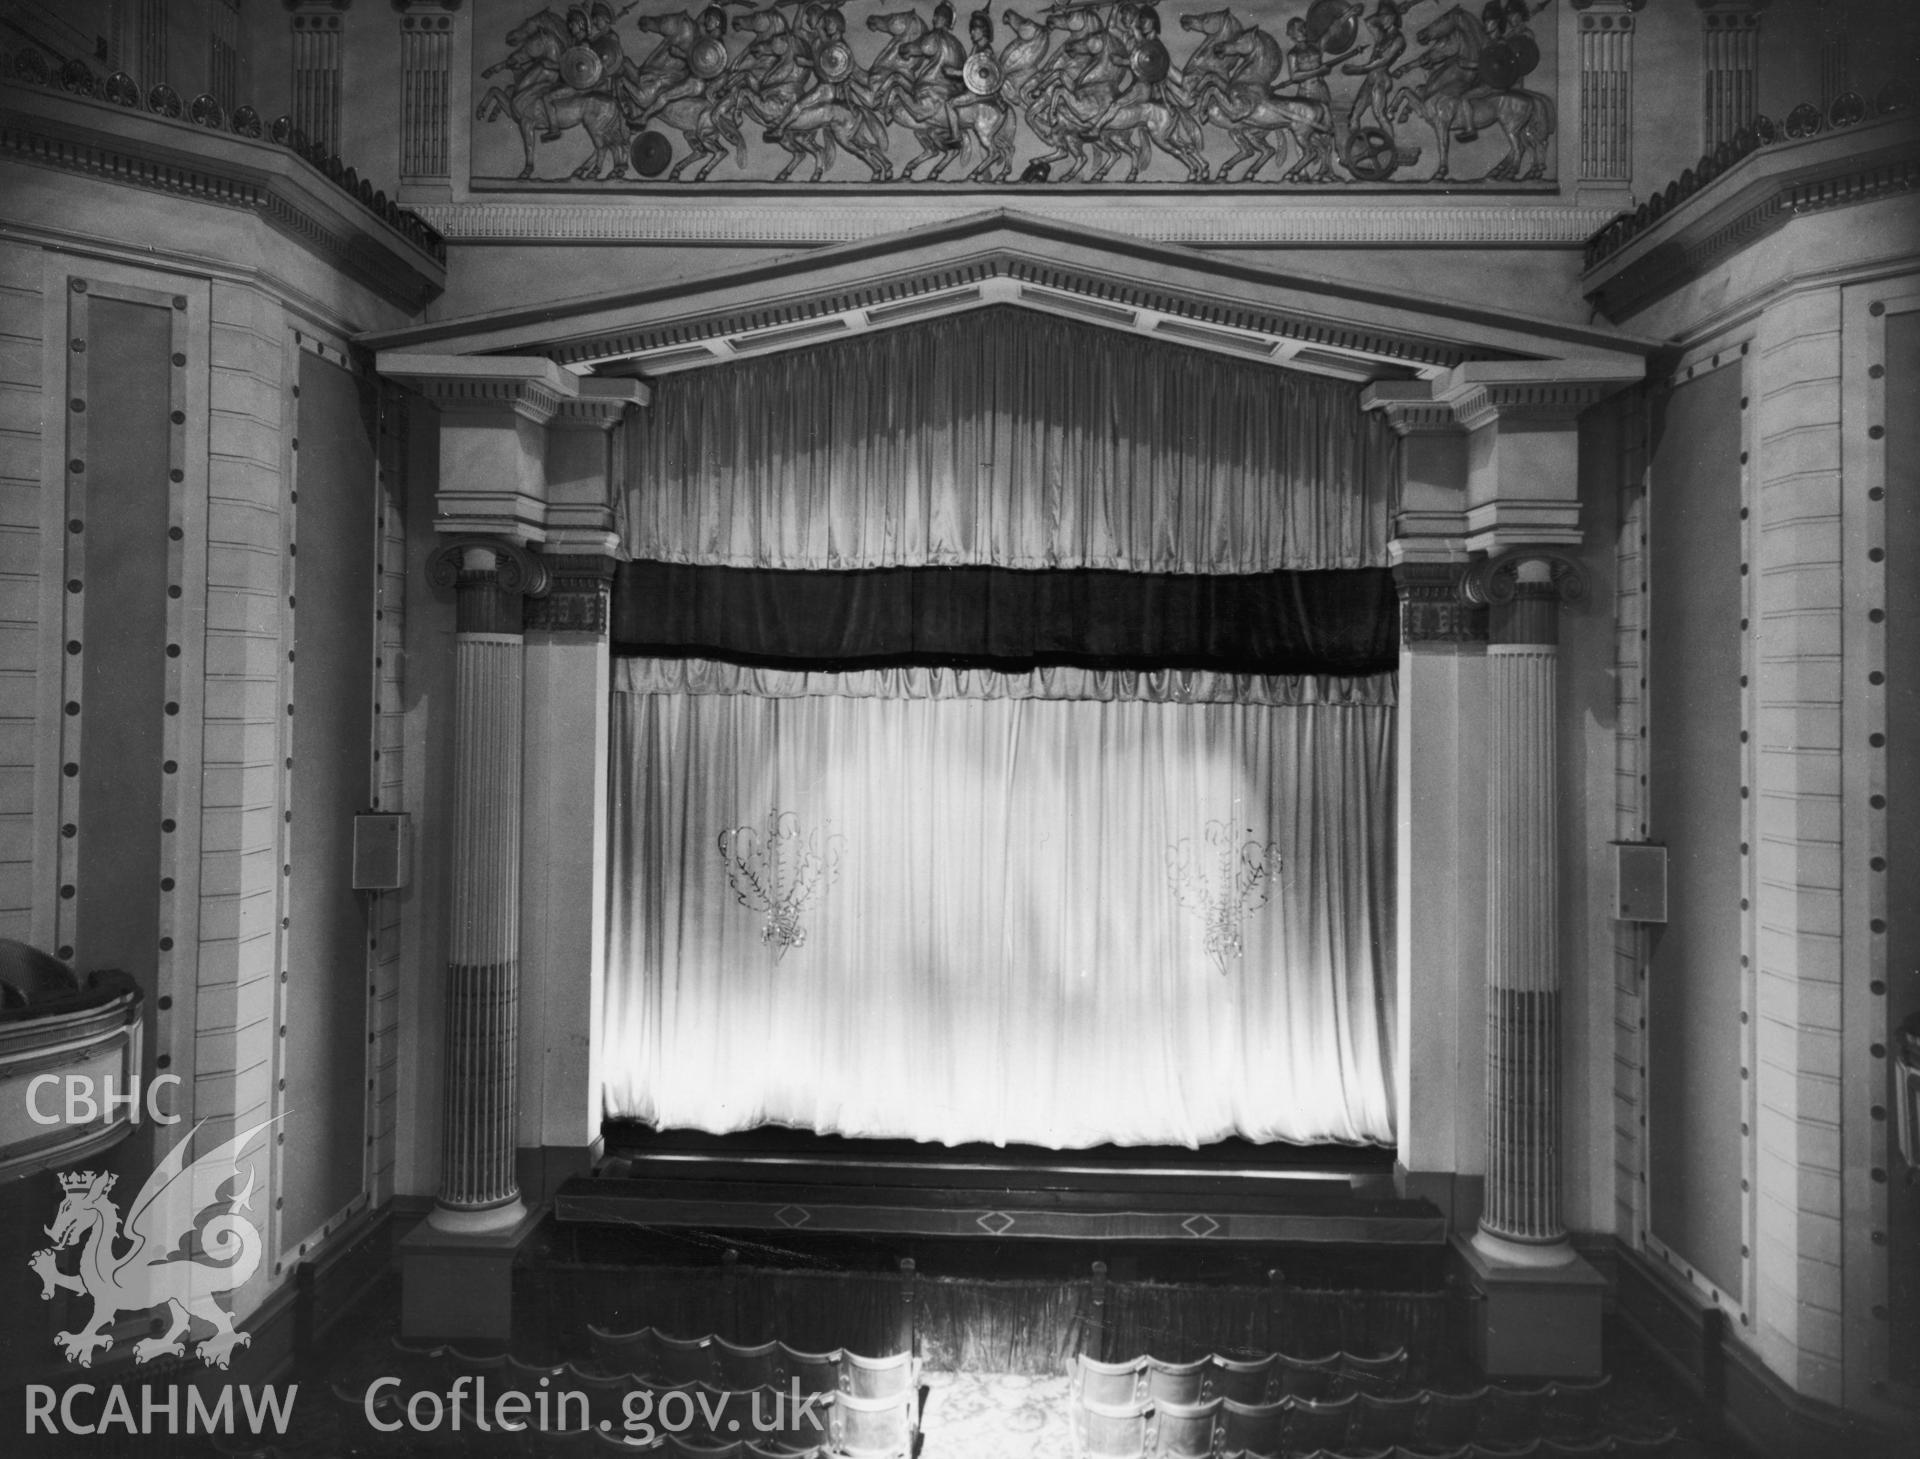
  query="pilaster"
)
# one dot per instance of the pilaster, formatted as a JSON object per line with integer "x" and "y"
{"x": 527, "y": 454}
{"x": 1606, "y": 97}
{"x": 1730, "y": 67}
{"x": 1439, "y": 1011}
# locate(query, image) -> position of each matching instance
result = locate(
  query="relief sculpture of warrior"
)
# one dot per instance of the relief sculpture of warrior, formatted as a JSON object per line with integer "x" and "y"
{"x": 1275, "y": 92}
{"x": 558, "y": 83}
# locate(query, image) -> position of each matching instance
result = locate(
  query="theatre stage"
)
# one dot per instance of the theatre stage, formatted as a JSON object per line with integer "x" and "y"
{"x": 775, "y": 1180}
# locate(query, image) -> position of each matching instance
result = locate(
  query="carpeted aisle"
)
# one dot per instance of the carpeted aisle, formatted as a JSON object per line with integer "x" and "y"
{"x": 995, "y": 1416}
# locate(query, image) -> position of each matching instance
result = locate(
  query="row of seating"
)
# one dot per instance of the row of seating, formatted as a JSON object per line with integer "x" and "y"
{"x": 1263, "y": 1379}
{"x": 651, "y": 1354}
{"x": 1570, "y": 1412}
{"x": 1620, "y": 1446}
{"x": 873, "y": 1409}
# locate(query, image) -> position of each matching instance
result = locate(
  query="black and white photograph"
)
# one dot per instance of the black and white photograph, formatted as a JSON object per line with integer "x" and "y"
{"x": 878, "y": 729}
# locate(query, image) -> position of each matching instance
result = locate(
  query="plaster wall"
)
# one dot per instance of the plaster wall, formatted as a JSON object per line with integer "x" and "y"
{"x": 249, "y": 309}
{"x": 1795, "y": 315}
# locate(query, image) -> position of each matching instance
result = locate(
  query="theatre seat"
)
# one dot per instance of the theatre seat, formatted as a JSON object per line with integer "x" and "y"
{"x": 1306, "y": 1377}
{"x": 621, "y": 1352}
{"x": 1186, "y": 1430}
{"x": 1450, "y": 1418}
{"x": 1111, "y": 1431}
{"x": 742, "y": 1369}
{"x": 1588, "y": 1448}
{"x": 1314, "y": 1425}
{"x": 1644, "y": 1446}
{"x": 873, "y": 1428}
{"x": 1244, "y": 1380}
{"x": 1253, "y": 1428}
{"x": 682, "y": 1446}
{"x": 1511, "y": 1415}
{"x": 816, "y": 1372}
{"x": 1113, "y": 1384}
{"x": 888, "y": 1377}
{"x": 1177, "y": 1382}
{"x": 682, "y": 1360}
{"x": 1574, "y": 1408}
{"x": 1384, "y": 1422}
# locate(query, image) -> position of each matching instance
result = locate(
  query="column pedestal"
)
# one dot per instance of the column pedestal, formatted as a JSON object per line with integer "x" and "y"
{"x": 1531, "y": 1321}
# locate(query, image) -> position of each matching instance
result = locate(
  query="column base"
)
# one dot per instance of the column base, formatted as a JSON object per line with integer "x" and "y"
{"x": 460, "y": 1221}
{"x": 1532, "y": 1321}
{"x": 460, "y": 1283}
{"x": 1501, "y": 1252}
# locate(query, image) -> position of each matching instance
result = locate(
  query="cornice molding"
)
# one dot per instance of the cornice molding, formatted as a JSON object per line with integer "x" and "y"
{"x": 533, "y": 388}
{"x": 1059, "y": 287}
{"x": 1410, "y": 408}
{"x": 1756, "y": 196}
{"x": 159, "y": 154}
{"x": 1288, "y": 220}
{"x": 1530, "y": 401}
{"x": 603, "y": 402}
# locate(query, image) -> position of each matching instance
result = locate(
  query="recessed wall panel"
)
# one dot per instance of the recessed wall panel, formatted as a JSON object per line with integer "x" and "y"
{"x": 1694, "y": 769}
{"x": 1901, "y": 969}
{"x": 327, "y": 955}
{"x": 118, "y": 519}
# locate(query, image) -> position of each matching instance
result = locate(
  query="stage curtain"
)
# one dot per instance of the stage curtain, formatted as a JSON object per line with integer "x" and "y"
{"x": 1332, "y": 622}
{"x": 1009, "y": 438}
{"x": 997, "y": 916}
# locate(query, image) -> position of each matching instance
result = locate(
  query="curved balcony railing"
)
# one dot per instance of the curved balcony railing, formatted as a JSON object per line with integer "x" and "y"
{"x": 1806, "y": 120}
{"x": 62, "y": 1034}
{"x": 32, "y": 66}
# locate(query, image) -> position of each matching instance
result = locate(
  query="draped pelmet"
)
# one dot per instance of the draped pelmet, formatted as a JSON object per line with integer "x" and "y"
{"x": 1014, "y": 439}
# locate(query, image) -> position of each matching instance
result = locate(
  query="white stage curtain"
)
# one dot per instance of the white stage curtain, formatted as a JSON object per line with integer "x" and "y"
{"x": 1157, "y": 917}
{"x": 1012, "y": 439}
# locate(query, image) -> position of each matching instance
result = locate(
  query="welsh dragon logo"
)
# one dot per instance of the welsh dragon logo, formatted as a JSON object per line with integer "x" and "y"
{"x": 187, "y": 1246}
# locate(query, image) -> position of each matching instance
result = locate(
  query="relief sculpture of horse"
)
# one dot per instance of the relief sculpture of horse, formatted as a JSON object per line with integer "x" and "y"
{"x": 1451, "y": 99}
{"x": 535, "y": 63}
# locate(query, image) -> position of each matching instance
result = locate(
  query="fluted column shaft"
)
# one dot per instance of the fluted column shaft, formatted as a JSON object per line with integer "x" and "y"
{"x": 1520, "y": 1219}
{"x": 478, "y": 1190}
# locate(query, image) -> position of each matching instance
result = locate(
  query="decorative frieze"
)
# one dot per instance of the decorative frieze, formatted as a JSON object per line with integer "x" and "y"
{"x": 1433, "y": 609}
{"x": 577, "y": 599}
{"x": 804, "y": 219}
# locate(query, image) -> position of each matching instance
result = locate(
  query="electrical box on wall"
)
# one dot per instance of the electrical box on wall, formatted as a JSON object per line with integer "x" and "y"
{"x": 1639, "y": 881}
{"x": 382, "y": 850}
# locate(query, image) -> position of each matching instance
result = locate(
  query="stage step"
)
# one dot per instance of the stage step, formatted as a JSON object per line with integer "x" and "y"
{"x": 1013, "y": 1202}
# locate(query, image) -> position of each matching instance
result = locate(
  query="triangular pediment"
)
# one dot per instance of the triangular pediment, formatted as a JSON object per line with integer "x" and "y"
{"x": 1208, "y": 301}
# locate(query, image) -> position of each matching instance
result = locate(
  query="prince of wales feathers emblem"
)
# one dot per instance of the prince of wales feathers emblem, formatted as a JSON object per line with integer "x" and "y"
{"x": 163, "y": 1266}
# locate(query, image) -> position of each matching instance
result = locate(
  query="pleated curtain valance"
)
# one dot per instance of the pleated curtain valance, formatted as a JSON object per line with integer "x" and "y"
{"x": 1014, "y": 439}
{"x": 1163, "y": 686}
{"x": 1335, "y": 622}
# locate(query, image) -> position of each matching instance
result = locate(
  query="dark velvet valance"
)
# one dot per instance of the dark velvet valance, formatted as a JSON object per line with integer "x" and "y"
{"x": 1328, "y": 622}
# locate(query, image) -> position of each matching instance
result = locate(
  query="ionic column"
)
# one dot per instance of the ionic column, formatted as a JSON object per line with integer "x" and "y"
{"x": 1520, "y": 1220}
{"x": 491, "y": 579}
